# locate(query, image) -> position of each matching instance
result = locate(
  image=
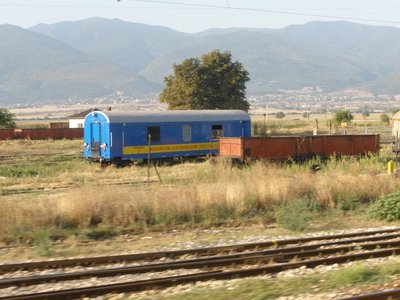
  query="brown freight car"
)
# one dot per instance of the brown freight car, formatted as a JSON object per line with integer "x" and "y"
{"x": 297, "y": 147}
{"x": 6, "y": 134}
{"x": 41, "y": 133}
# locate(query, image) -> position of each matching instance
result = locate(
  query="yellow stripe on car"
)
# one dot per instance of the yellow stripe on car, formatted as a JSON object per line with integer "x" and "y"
{"x": 169, "y": 148}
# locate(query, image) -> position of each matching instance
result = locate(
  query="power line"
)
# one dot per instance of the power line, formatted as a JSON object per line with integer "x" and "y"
{"x": 84, "y": 6}
{"x": 275, "y": 10}
{"x": 209, "y": 6}
{"x": 118, "y": 6}
{"x": 266, "y": 11}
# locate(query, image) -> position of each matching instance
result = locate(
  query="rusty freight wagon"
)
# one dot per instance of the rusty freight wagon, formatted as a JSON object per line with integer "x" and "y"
{"x": 297, "y": 147}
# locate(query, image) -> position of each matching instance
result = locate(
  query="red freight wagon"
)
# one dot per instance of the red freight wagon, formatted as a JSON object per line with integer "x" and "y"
{"x": 6, "y": 134}
{"x": 41, "y": 133}
{"x": 297, "y": 147}
{"x": 58, "y": 133}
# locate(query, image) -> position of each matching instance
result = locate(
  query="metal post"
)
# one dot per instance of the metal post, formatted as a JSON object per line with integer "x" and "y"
{"x": 148, "y": 158}
{"x": 265, "y": 123}
{"x": 210, "y": 144}
{"x": 365, "y": 124}
{"x": 390, "y": 167}
{"x": 158, "y": 174}
{"x": 315, "y": 131}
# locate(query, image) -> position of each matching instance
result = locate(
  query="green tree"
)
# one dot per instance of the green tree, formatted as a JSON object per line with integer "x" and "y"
{"x": 342, "y": 116}
{"x": 6, "y": 119}
{"x": 212, "y": 82}
{"x": 385, "y": 119}
{"x": 280, "y": 115}
{"x": 306, "y": 114}
{"x": 365, "y": 113}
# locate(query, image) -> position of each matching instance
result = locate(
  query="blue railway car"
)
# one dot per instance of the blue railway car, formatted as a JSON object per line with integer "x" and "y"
{"x": 123, "y": 136}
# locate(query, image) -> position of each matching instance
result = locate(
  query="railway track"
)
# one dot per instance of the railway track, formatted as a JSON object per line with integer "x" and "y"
{"x": 336, "y": 239}
{"x": 11, "y": 159}
{"x": 205, "y": 264}
{"x": 381, "y": 295}
{"x": 8, "y": 192}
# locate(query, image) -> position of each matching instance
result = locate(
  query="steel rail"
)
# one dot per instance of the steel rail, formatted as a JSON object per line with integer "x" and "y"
{"x": 8, "y": 192}
{"x": 135, "y": 286}
{"x": 247, "y": 258}
{"x": 381, "y": 295}
{"x": 91, "y": 261}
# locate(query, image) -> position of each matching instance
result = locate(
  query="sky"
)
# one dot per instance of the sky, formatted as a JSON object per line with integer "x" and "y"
{"x": 198, "y": 15}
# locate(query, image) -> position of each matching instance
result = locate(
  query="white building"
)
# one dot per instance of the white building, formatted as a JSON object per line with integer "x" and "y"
{"x": 77, "y": 120}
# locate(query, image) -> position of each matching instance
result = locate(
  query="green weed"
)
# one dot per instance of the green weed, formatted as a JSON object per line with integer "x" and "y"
{"x": 386, "y": 208}
{"x": 42, "y": 242}
{"x": 294, "y": 215}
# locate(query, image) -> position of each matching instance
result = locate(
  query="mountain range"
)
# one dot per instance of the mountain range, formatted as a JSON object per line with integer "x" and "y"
{"x": 94, "y": 58}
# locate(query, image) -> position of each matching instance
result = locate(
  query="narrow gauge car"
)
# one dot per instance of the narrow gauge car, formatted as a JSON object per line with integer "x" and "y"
{"x": 123, "y": 136}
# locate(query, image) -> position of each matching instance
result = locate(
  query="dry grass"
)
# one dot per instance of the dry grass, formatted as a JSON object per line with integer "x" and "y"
{"x": 192, "y": 194}
{"x": 29, "y": 147}
{"x": 212, "y": 194}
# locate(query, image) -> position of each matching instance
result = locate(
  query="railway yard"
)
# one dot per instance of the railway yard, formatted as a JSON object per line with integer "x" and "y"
{"x": 194, "y": 229}
{"x": 197, "y": 150}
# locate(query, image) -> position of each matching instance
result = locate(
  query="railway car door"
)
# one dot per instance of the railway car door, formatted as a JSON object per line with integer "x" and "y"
{"x": 95, "y": 139}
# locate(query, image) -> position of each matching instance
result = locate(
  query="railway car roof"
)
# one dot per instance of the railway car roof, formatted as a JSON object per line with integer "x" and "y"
{"x": 174, "y": 116}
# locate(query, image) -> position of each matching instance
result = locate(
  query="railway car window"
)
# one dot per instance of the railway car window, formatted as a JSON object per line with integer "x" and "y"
{"x": 187, "y": 133}
{"x": 216, "y": 131}
{"x": 154, "y": 132}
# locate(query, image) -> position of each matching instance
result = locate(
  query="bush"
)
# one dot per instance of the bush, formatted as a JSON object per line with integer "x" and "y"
{"x": 280, "y": 115}
{"x": 259, "y": 129}
{"x": 385, "y": 119}
{"x": 42, "y": 242}
{"x": 294, "y": 215}
{"x": 386, "y": 208}
{"x": 6, "y": 119}
{"x": 342, "y": 116}
{"x": 348, "y": 201}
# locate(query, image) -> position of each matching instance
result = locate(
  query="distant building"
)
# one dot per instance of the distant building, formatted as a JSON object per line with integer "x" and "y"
{"x": 77, "y": 120}
{"x": 58, "y": 125}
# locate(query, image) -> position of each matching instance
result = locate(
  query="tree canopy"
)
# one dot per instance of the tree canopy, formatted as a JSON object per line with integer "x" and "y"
{"x": 280, "y": 115}
{"x": 365, "y": 112}
{"x": 342, "y": 116}
{"x": 385, "y": 119}
{"x": 6, "y": 119}
{"x": 212, "y": 82}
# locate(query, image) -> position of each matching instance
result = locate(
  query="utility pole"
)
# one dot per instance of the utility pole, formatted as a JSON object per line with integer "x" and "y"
{"x": 265, "y": 119}
{"x": 365, "y": 124}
